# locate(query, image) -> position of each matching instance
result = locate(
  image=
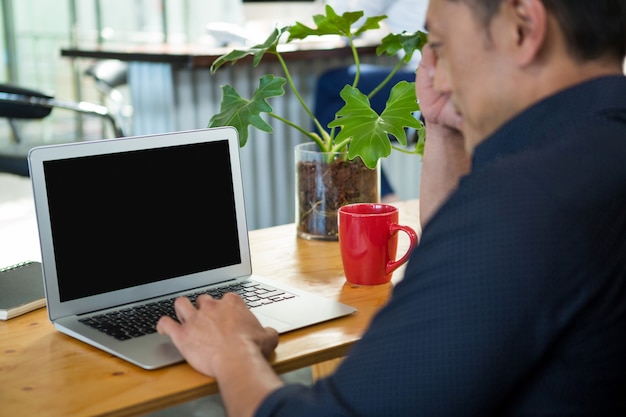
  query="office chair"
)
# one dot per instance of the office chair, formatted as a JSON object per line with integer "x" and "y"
{"x": 17, "y": 103}
{"x": 109, "y": 75}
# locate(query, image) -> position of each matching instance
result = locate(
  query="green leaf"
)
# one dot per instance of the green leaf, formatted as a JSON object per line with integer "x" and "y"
{"x": 333, "y": 24}
{"x": 368, "y": 131}
{"x": 241, "y": 113}
{"x": 257, "y": 51}
{"x": 405, "y": 41}
{"x": 371, "y": 23}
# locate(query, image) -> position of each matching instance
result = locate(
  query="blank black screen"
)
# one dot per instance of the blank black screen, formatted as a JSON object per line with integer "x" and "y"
{"x": 125, "y": 219}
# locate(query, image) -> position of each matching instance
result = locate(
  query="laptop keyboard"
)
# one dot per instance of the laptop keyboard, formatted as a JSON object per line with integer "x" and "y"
{"x": 140, "y": 320}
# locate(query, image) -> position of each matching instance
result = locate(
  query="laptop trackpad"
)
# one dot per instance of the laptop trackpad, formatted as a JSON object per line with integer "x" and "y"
{"x": 267, "y": 321}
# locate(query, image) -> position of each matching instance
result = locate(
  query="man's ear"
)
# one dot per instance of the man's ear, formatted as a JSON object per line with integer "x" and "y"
{"x": 531, "y": 26}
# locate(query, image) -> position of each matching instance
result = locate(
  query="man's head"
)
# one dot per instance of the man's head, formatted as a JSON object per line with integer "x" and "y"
{"x": 591, "y": 28}
{"x": 497, "y": 57}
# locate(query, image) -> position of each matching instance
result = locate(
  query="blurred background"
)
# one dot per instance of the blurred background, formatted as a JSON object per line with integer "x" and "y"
{"x": 169, "y": 98}
{"x": 33, "y": 32}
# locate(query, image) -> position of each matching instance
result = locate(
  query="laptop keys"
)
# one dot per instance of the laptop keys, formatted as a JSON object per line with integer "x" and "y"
{"x": 131, "y": 322}
{"x": 141, "y": 320}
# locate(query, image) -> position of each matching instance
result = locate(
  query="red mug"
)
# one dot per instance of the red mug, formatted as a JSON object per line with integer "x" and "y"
{"x": 368, "y": 240}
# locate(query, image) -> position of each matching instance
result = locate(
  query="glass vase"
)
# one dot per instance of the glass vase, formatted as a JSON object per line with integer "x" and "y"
{"x": 326, "y": 181}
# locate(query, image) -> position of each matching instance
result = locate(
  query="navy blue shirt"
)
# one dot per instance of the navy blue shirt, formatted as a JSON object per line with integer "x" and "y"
{"x": 514, "y": 302}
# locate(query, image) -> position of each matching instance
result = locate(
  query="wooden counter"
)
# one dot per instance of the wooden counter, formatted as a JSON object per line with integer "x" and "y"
{"x": 198, "y": 56}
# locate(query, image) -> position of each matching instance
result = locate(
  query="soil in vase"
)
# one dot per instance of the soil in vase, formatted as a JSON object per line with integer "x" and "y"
{"x": 324, "y": 186}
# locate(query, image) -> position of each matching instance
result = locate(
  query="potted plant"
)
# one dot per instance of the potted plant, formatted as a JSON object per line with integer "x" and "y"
{"x": 357, "y": 138}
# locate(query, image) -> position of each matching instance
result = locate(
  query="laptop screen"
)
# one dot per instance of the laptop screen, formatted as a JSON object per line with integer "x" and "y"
{"x": 125, "y": 219}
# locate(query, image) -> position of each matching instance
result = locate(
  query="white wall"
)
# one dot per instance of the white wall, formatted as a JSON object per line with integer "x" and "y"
{"x": 261, "y": 18}
{"x": 283, "y": 12}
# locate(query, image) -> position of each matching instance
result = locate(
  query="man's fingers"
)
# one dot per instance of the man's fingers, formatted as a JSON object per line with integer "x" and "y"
{"x": 234, "y": 298}
{"x": 167, "y": 326}
{"x": 269, "y": 343}
{"x": 205, "y": 299}
{"x": 183, "y": 308}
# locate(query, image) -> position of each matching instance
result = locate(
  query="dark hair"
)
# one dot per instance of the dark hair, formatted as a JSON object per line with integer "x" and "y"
{"x": 592, "y": 28}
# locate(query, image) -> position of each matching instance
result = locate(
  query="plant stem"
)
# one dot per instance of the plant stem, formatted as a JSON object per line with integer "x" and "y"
{"x": 308, "y": 134}
{"x": 323, "y": 145}
{"x": 406, "y": 151}
{"x": 340, "y": 147}
{"x": 357, "y": 62}
{"x": 386, "y": 80}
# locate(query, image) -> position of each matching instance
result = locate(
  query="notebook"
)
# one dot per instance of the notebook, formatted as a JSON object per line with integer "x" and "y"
{"x": 132, "y": 221}
{"x": 21, "y": 289}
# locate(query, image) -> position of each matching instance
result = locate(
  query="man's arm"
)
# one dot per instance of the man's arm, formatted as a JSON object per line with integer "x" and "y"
{"x": 445, "y": 158}
{"x": 444, "y": 162}
{"x": 224, "y": 340}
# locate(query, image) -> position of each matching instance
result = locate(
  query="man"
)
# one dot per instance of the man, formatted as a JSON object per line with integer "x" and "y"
{"x": 514, "y": 304}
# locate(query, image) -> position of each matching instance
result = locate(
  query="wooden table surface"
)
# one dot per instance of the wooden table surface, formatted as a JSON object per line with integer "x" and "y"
{"x": 43, "y": 372}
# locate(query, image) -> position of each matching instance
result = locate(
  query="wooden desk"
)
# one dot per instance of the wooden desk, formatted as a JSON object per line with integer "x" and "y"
{"x": 43, "y": 372}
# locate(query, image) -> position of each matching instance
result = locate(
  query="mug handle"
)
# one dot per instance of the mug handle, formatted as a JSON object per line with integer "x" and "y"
{"x": 395, "y": 228}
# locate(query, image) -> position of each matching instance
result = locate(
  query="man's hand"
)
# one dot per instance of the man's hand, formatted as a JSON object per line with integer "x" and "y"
{"x": 216, "y": 332}
{"x": 445, "y": 157}
{"x": 436, "y": 107}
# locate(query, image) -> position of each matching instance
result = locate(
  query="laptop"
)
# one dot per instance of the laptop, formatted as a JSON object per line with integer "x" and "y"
{"x": 129, "y": 222}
